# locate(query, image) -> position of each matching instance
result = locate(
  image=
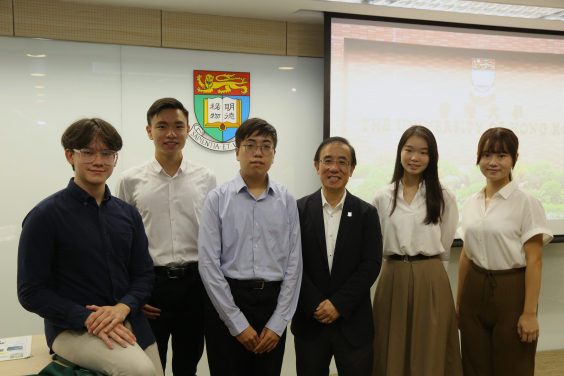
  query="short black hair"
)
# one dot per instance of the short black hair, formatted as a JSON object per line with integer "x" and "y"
{"x": 250, "y": 126}
{"x": 163, "y": 104}
{"x": 81, "y": 133}
{"x": 336, "y": 140}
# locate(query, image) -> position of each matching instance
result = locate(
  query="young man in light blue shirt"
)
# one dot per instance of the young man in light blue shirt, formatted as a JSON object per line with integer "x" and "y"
{"x": 249, "y": 251}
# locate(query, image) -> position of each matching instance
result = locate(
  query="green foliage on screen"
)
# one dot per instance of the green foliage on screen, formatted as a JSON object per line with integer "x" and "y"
{"x": 539, "y": 178}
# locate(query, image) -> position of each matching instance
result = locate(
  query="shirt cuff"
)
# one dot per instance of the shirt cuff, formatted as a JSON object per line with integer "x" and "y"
{"x": 131, "y": 302}
{"x": 238, "y": 324}
{"x": 277, "y": 324}
{"x": 77, "y": 318}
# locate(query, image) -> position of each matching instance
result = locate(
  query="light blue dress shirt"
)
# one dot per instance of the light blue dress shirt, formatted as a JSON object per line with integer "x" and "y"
{"x": 248, "y": 238}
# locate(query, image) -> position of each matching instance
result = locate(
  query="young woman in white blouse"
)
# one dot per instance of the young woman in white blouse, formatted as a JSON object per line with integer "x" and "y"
{"x": 504, "y": 230}
{"x": 414, "y": 316}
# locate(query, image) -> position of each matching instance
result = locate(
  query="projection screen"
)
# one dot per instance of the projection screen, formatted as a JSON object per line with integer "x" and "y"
{"x": 386, "y": 76}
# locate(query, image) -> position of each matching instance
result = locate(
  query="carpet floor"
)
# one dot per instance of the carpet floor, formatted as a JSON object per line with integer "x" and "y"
{"x": 548, "y": 363}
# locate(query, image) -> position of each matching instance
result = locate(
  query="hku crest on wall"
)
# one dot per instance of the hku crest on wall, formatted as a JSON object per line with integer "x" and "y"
{"x": 221, "y": 104}
{"x": 483, "y": 75}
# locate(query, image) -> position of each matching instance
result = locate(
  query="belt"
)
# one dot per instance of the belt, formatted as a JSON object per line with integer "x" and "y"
{"x": 406, "y": 258}
{"x": 177, "y": 271}
{"x": 252, "y": 284}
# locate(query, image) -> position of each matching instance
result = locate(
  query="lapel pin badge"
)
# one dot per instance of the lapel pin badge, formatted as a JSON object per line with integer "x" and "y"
{"x": 350, "y": 214}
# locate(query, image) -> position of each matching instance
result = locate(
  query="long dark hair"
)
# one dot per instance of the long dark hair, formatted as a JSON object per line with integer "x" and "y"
{"x": 433, "y": 189}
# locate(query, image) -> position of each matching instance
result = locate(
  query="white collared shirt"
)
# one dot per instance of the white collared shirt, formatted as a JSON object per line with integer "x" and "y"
{"x": 331, "y": 220}
{"x": 404, "y": 233}
{"x": 170, "y": 207}
{"x": 494, "y": 238}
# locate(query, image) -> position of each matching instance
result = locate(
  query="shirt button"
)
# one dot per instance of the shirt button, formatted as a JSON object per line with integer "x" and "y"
{"x": 256, "y": 267}
{"x": 171, "y": 200}
{"x": 256, "y": 246}
{"x": 175, "y": 238}
{"x": 256, "y": 224}
{"x": 85, "y": 204}
{"x": 480, "y": 239}
{"x": 173, "y": 219}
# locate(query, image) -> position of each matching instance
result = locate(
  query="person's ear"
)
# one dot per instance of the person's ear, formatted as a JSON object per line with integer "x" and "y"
{"x": 149, "y": 132}
{"x": 69, "y": 154}
{"x": 237, "y": 153}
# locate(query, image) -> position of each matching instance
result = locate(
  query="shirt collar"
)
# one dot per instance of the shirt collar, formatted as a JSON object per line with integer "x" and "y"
{"x": 504, "y": 192}
{"x": 240, "y": 184}
{"x": 421, "y": 187}
{"x": 158, "y": 168}
{"x": 341, "y": 203}
{"x": 84, "y": 196}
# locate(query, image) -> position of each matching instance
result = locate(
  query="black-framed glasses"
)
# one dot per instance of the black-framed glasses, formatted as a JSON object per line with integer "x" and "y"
{"x": 252, "y": 149}
{"x": 89, "y": 155}
{"x": 341, "y": 163}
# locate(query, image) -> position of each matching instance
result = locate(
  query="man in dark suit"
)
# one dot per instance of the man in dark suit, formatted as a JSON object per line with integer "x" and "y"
{"x": 342, "y": 256}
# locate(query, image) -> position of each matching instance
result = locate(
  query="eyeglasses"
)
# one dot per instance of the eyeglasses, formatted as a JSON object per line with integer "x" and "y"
{"x": 342, "y": 164}
{"x": 252, "y": 149}
{"x": 88, "y": 155}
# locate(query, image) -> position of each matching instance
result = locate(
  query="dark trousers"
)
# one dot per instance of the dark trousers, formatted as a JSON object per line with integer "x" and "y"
{"x": 226, "y": 355}
{"x": 181, "y": 301}
{"x": 314, "y": 357}
{"x": 491, "y": 304}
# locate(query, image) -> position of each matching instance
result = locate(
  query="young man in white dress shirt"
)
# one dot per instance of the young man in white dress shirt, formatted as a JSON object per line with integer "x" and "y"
{"x": 169, "y": 192}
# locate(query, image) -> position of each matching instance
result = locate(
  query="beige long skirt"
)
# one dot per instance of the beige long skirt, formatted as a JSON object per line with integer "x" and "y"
{"x": 415, "y": 321}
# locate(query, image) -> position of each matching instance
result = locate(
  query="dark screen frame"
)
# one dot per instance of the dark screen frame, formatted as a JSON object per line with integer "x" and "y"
{"x": 328, "y": 17}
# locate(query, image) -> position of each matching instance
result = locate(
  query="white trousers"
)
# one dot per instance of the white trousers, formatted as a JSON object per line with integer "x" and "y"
{"x": 88, "y": 351}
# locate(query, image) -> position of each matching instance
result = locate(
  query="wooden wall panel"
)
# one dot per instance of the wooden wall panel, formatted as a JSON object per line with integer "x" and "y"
{"x": 305, "y": 39}
{"x": 222, "y": 33}
{"x": 55, "y": 19}
{"x": 6, "y": 18}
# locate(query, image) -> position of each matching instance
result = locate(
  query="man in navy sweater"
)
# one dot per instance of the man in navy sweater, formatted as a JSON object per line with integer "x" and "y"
{"x": 84, "y": 265}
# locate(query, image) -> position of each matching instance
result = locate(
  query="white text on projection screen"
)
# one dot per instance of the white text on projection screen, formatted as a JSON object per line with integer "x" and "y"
{"x": 458, "y": 83}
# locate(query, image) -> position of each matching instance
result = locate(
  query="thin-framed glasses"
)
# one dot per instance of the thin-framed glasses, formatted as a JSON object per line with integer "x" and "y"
{"x": 88, "y": 155}
{"x": 341, "y": 163}
{"x": 252, "y": 149}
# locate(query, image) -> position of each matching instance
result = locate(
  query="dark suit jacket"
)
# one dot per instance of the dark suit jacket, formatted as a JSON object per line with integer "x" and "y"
{"x": 356, "y": 265}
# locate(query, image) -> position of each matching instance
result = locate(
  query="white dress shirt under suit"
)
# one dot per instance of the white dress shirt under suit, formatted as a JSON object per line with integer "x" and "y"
{"x": 170, "y": 207}
{"x": 247, "y": 238}
{"x": 494, "y": 238}
{"x": 405, "y": 233}
{"x": 331, "y": 221}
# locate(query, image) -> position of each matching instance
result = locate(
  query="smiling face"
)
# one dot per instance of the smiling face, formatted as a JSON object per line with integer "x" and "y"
{"x": 415, "y": 156}
{"x": 169, "y": 131}
{"x": 334, "y": 176}
{"x": 256, "y": 164}
{"x": 93, "y": 174}
{"x": 496, "y": 166}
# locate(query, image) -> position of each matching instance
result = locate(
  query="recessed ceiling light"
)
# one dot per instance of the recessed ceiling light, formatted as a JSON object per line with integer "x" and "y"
{"x": 470, "y": 7}
{"x": 37, "y": 74}
{"x": 293, "y": 89}
{"x": 286, "y": 68}
{"x": 40, "y": 95}
{"x": 41, "y": 123}
{"x": 35, "y": 55}
{"x": 40, "y": 87}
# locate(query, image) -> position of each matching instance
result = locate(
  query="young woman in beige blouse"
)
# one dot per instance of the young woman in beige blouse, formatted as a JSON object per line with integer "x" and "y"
{"x": 504, "y": 230}
{"x": 414, "y": 316}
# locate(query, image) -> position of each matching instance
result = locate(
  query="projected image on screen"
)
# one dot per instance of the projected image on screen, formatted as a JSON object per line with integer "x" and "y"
{"x": 458, "y": 84}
